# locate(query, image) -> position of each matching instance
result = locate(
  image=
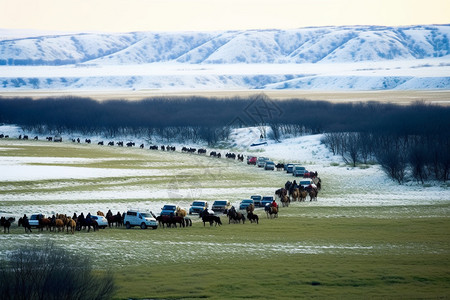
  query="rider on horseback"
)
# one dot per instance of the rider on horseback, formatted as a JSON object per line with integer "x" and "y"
{"x": 274, "y": 203}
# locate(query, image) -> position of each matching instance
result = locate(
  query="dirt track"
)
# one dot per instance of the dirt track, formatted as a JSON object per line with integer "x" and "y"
{"x": 441, "y": 97}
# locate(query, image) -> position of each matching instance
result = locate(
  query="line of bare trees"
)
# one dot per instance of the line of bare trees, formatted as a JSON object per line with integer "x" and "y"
{"x": 404, "y": 139}
{"x": 424, "y": 157}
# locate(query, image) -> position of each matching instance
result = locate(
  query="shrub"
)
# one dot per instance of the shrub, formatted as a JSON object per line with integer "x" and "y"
{"x": 49, "y": 272}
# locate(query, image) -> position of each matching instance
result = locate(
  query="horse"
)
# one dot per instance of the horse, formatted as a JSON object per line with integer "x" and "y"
{"x": 86, "y": 222}
{"x": 6, "y": 223}
{"x": 26, "y": 224}
{"x": 232, "y": 214}
{"x": 250, "y": 208}
{"x": 318, "y": 182}
{"x": 281, "y": 192}
{"x": 72, "y": 225}
{"x": 187, "y": 221}
{"x": 59, "y": 224}
{"x": 180, "y": 212}
{"x": 285, "y": 201}
{"x": 312, "y": 194}
{"x": 295, "y": 194}
{"x": 117, "y": 219}
{"x": 303, "y": 194}
{"x": 252, "y": 217}
{"x": 100, "y": 213}
{"x": 174, "y": 220}
{"x": 44, "y": 222}
{"x": 206, "y": 217}
{"x": 271, "y": 210}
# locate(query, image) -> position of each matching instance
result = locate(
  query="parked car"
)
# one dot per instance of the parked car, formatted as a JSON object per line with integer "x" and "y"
{"x": 221, "y": 205}
{"x": 305, "y": 182}
{"x": 34, "y": 220}
{"x": 168, "y": 209}
{"x": 135, "y": 218}
{"x": 256, "y": 200}
{"x": 298, "y": 171}
{"x": 197, "y": 207}
{"x": 269, "y": 165}
{"x": 101, "y": 221}
{"x": 245, "y": 203}
{"x": 289, "y": 168}
{"x": 251, "y": 160}
{"x": 261, "y": 161}
{"x": 57, "y": 138}
{"x": 266, "y": 200}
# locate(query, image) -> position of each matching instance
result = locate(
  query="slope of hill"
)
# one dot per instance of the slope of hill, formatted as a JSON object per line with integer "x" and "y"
{"x": 329, "y": 49}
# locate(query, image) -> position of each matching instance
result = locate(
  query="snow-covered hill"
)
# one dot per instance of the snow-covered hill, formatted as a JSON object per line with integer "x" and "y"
{"x": 320, "y": 55}
{"x": 305, "y": 45}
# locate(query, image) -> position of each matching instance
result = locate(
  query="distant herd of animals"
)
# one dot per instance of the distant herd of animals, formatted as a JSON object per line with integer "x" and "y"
{"x": 59, "y": 222}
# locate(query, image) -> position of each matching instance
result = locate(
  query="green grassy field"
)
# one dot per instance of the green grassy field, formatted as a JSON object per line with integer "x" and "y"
{"x": 309, "y": 251}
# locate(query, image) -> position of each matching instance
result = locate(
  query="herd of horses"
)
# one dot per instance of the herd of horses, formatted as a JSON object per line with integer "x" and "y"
{"x": 294, "y": 192}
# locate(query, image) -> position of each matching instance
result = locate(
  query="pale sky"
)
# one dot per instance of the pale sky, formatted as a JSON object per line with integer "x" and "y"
{"x": 195, "y": 15}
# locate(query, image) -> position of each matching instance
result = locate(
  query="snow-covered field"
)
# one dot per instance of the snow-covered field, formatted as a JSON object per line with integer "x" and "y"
{"x": 87, "y": 178}
{"x": 69, "y": 184}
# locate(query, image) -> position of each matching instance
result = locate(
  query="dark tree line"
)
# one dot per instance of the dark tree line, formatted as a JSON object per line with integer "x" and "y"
{"x": 401, "y": 138}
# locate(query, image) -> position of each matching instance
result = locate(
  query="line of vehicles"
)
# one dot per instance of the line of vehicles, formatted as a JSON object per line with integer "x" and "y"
{"x": 296, "y": 170}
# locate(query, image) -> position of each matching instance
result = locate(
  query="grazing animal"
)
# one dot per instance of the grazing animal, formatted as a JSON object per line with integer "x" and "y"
{"x": 235, "y": 216}
{"x": 6, "y": 223}
{"x": 271, "y": 210}
{"x": 285, "y": 201}
{"x": 312, "y": 195}
{"x": 303, "y": 194}
{"x": 295, "y": 194}
{"x": 100, "y": 143}
{"x": 208, "y": 218}
{"x": 250, "y": 208}
{"x": 72, "y": 225}
{"x": 100, "y": 213}
{"x": 279, "y": 166}
{"x": 26, "y": 225}
{"x": 187, "y": 221}
{"x": 180, "y": 212}
{"x": 44, "y": 222}
{"x": 114, "y": 219}
{"x": 252, "y": 217}
{"x": 59, "y": 224}
{"x": 217, "y": 220}
{"x": 170, "y": 221}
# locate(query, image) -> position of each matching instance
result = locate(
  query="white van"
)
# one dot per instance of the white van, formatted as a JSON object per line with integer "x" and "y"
{"x": 135, "y": 218}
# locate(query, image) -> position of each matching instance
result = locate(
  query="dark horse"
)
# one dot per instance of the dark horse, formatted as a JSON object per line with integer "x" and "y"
{"x": 86, "y": 222}
{"x": 171, "y": 220}
{"x": 118, "y": 219}
{"x": 253, "y": 218}
{"x": 6, "y": 223}
{"x": 232, "y": 214}
{"x": 24, "y": 222}
{"x": 210, "y": 218}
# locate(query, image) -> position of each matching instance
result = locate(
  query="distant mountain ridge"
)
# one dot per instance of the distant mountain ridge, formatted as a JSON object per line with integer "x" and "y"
{"x": 303, "y": 45}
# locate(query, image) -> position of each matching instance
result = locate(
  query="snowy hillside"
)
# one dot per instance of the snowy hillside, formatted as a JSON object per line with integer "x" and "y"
{"x": 305, "y": 45}
{"x": 305, "y": 58}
